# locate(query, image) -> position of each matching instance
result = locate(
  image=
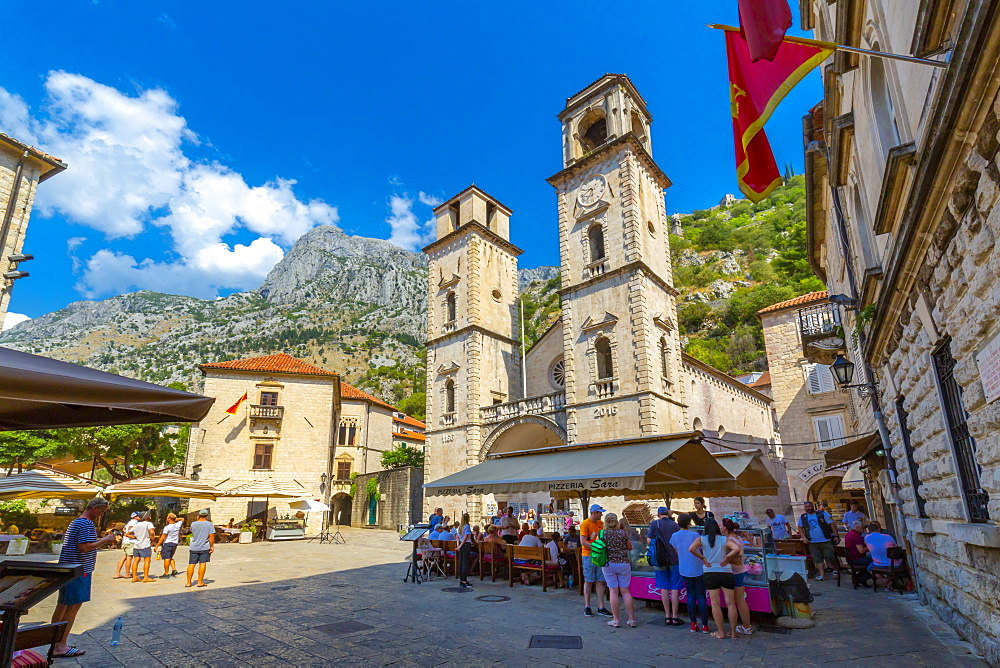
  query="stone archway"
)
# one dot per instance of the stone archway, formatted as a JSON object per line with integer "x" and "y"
{"x": 341, "y": 509}
{"x": 529, "y": 432}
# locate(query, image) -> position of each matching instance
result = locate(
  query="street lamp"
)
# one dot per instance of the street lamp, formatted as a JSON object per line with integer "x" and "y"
{"x": 843, "y": 373}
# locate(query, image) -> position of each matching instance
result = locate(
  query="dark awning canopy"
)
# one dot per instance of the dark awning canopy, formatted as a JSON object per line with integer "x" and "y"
{"x": 42, "y": 393}
{"x": 852, "y": 451}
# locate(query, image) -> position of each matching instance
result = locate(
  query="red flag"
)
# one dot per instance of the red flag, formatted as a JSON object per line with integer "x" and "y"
{"x": 755, "y": 89}
{"x": 235, "y": 407}
{"x": 763, "y": 23}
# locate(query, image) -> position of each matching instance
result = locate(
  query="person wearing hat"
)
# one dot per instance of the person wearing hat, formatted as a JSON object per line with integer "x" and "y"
{"x": 80, "y": 545}
{"x": 202, "y": 546}
{"x": 589, "y": 530}
{"x": 668, "y": 578}
{"x": 128, "y": 548}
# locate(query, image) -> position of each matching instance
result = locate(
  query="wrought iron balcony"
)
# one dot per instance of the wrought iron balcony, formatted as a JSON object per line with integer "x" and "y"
{"x": 822, "y": 332}
{"x": 544, "y": 404}
{"x": 266, "y": 412}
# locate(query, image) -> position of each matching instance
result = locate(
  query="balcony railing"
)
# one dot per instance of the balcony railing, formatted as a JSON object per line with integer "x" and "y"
{"x": 448, "y": 419}
{"x": 547, "y": 403}
{"x": 597, "y": 268}
{"x": 822, "y": 320}
{"x": 266, "y": 412}
{"x": 605, "y": 387}
{"x": 449, "y": 326}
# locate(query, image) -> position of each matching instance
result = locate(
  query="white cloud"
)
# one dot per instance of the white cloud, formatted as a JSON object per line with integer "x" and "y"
{"x": 408, "y": 231}
{"x": 429, "y": 200}
{"x": 11, "y": 319}
{"x": 128, "y": 169}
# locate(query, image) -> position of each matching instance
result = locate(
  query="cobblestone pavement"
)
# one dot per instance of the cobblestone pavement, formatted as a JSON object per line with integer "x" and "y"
{"x": 269, "y": 604}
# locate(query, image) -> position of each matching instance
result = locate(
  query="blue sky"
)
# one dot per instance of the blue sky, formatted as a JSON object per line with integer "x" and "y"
{"x": 204, "y": 138}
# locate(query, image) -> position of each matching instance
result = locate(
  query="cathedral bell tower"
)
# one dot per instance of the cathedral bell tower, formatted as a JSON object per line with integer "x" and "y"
{"x": 622, "y": 349}
{"x": 472, "y": 358}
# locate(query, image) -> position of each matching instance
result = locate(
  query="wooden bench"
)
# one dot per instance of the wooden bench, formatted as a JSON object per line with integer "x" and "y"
{"x": 37, "y": 636}
{"x": 492, "y": 556}
{"x": 528, "y": 555}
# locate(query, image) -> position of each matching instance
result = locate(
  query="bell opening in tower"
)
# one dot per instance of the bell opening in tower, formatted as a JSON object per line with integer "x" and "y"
{"x": 595, "y": 134}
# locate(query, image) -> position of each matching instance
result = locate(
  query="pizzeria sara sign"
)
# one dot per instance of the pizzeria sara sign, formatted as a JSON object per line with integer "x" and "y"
{"x": 811, "y": 472}
{"x": 575, "y": 485}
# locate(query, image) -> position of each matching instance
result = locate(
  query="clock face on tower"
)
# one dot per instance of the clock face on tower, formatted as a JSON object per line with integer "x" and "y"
{"x": 592, "y": 191}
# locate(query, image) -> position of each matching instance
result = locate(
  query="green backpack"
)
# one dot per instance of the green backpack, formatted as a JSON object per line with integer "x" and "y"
{"x": 599, "y": 551}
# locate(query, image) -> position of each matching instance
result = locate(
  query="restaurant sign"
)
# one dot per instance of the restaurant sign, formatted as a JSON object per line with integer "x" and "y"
{"x": 551, "y": 486}
{"x": 811, "y": 472}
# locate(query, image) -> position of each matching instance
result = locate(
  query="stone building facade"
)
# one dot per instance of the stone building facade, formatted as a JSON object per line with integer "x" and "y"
{"x": 299, "y": 425}
{"x": 912, "y": 153}
{"x": 611, "y": 367}
{"x": 22, "y": 168}
{"x": 399, "y": 503}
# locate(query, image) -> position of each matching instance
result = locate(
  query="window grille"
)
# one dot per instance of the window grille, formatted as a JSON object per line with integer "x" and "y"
{"x": 977, "y": 501}
{"x": 904, "y": 432}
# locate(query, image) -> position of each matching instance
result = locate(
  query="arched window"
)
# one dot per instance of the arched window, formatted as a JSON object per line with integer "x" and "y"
{"x": 450, "y": 307}
{"x": 605, "y": 358}
{"x": 449, "y": 396}
{"x": 697, "y": 425}
{"x": 637, "y": 125}
{"x": 595, "y": 134}
{"x": 885, "y": 114}
{"x": 596, "y": 236}
{"x": 664, "y": 358}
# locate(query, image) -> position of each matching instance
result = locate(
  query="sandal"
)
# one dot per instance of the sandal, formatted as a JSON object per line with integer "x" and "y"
{"x": 72, "y": 651}
{"x": 745, "y": 630}
{"x": 613, "y": 624}
{"x": 631, "y": 624}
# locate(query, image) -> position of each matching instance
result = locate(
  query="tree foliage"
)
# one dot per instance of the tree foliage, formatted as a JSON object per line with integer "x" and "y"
{"x": 402, "y": 455}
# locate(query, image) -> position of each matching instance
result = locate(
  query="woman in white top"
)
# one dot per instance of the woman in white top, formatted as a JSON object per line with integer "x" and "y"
{"x": 465, "y": 543}
{"x": 716, "y": 552}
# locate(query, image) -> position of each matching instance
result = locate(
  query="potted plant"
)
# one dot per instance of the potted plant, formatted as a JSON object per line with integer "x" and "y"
{"x": 248, "y": 529}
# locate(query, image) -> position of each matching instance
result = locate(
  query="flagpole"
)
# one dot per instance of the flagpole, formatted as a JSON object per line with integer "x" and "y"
{"x": 852, "y": 49}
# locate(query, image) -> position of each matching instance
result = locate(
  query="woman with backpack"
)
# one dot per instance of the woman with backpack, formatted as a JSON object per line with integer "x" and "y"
{"x": 716, "y": 552}
{"x": 616, "y": 566}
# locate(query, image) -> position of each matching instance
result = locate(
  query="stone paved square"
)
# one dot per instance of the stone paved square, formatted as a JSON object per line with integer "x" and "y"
{"x": 271, "y": 604}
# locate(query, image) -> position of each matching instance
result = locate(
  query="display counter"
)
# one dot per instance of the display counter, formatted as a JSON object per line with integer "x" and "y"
{"x": 758, "y": 551}
{"x": 286, "y": 530}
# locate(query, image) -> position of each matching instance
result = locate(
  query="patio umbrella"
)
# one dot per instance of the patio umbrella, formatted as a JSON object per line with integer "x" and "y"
{"x": 269, "y": 488}
{"x": 309, "y": 506}
{"x": 163, "y": 484}
{"x": 41, "y": 484}
{"x": 42, "y": 393}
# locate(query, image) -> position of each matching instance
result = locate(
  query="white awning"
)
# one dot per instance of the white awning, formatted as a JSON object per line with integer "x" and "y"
{"x": 671, "y": 463}
{"x": 854, "y": 478}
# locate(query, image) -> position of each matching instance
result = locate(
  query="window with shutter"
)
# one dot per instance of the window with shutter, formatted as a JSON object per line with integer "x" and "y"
{"x": 818, "y": 378}
{"x": 829, "y": 431}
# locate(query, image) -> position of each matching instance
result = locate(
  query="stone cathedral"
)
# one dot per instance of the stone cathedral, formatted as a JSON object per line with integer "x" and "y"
{"x": 611, "y": 367}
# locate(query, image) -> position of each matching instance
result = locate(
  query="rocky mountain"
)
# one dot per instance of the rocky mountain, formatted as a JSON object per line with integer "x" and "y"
{"x": 350, "y": 303}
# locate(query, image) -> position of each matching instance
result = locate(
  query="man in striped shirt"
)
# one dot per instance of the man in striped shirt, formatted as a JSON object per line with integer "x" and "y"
{"x": 80, "y": 545}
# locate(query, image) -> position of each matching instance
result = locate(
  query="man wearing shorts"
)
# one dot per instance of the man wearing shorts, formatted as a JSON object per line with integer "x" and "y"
{"x": 143, "y": 534}
{"x": 170, "y": 538}
{"x": 668, "y": 575}
{"x": 128, "y": 547}
{"x": 820, "y": 534}
{"x": 202, "y": 546}
{"x": 589, "y": 529}
{"x": 80, "y": 545}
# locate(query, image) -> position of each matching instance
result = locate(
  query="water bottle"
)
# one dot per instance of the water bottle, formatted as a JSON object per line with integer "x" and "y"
{"x": 116, "y": 634}
{"x": 570, "y": 583}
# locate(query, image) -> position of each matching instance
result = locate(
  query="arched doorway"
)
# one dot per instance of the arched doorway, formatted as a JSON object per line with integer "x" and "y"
{"x": 531, "y": 432}
{"x": 341, "y": 509}
{"x": 828, "y": 488}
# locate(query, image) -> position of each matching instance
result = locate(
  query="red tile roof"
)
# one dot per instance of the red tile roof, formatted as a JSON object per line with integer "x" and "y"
{"x": 406, "y": 433}
{"x": 278, "y": 363}
{"x": 763, "y": 381}
{"x": 798, "y": 301}
{"x": 412, "y": 421}
{"x": 351, "y": 392}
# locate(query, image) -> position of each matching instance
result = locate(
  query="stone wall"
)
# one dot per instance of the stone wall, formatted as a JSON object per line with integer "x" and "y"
{"x": 959, "y": 299}
{"x": 401, "y": 503}
{"x": 31, "y": 172}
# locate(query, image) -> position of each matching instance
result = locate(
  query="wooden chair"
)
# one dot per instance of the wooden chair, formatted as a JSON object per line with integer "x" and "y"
{"x": 527, "y": 556}
{"x": 492, "y": 556}
{"x": 892, "y": 573}
{"x": 448, "y": 554}
{"x": 844, "y": 564}
{"x": 430, "y": 561}
{"x": 37, "y": 636}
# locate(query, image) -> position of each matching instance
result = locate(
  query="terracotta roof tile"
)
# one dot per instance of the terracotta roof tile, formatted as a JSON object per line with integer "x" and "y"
{"x": 406, "y": 433}
{"x": 56, "y": 164}
{"x": 278, "y": 363}
{"x": 763, "y": 381}
{"x": 412, "y": 421}
{"x": 798, "y": 301}
{"x": 351, "y": 392}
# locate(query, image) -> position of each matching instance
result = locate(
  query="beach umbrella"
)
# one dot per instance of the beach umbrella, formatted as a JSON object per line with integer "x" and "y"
{"x": 163, "y": 484}
{"x": 43, "y": 484}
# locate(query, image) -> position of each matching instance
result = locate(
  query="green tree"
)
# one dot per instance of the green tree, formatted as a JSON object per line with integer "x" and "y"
{"x": 21, "y": 449}
{"x": 402, "y": 455}
{"x": 125, "y": 451}
{"x": 414, "y": 405}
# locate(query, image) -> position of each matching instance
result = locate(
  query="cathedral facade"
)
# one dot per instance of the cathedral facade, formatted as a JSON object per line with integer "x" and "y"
{"x": 612, "y": 367}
